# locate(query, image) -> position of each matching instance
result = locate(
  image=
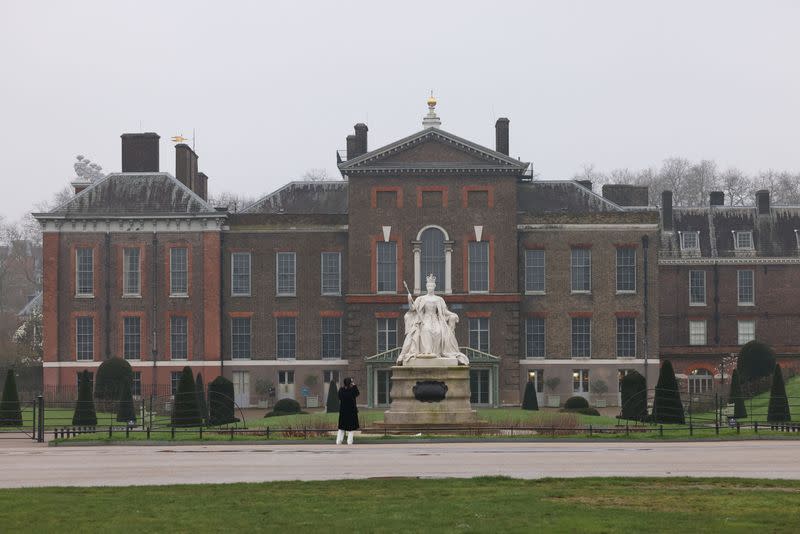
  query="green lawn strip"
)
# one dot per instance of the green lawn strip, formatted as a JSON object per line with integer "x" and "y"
{"x": 412, "y": 505}
{"x": 757, "y": 406}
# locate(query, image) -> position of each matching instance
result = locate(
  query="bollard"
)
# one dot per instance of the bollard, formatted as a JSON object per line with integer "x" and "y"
{"x": 110, "y": 430}
{"x": 755, "y": 427}
{"x": 201, "y": 433}
{"x": 661, "y": 430}
{"x": 148, "y": 433}
{"x": 173, "y": 432}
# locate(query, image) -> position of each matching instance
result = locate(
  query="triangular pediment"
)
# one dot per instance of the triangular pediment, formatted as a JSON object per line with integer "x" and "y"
{"x": 436, "y": 150}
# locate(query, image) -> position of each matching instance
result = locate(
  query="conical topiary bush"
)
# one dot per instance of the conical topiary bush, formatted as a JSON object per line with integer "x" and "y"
{"x": 778, "y": 411}
{"x": 332, "y": 403}
{"x": 10, "y": 412}
{"x": 634, "y": 397}
{"x": 126, "y": 410}
{"x": 185, "y": 411}
{"x": 85, "y": 414}
{"x": 200, "y": 391}
{"x": 529, "y": 400}
{"x": 220, "y": 402}
{"x": 667, "y": 404}
{"x": 739, "y": 409}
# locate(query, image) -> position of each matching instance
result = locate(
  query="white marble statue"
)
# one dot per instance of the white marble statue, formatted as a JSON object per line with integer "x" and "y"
{"x": 430, "y": 328}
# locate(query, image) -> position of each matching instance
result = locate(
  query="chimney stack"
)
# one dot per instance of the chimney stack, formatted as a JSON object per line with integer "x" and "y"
{"x": 361, "y": 137}
{"x": 186, "y": 166}
{"x": 716, "y": 198}
{"x": 202, "y": 185}
{"x": 501, "y": 135}
{"x": 762, "y": 201}
{"x": 140, "y": 152}
{"x": 585, "y": 183}
{"x": 666, "y": 211}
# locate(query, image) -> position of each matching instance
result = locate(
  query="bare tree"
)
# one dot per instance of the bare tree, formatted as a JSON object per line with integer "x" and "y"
{"x": 316, "y": 175}
{"x": 701, "y": 179}
{"x": 737, "y": 186}
{"x": 233, "y": 202}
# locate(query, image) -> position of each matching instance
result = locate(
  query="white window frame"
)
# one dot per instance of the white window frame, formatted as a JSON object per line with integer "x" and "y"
{"x": 172, "y": 292}
{"x": 528, "y": 334}
{"x": 135, "y": 338}
{"x": 278, "y": 289}
{"x": 385, "y": 333}
{"x": 78, "y": 290}
{"x": 620, "y": 334}
{"x": 291, "y": 336}
{"x": 699, "y": 382}
{"x": 634, "y": 267}
{"x": 697, "y": 329}
{"x": 126, "y": 272}
{"x": 745, "y": 335}
{"x": 470, "y": 263}
{"x": 337, "y": 337}
{"x": 378, "y": 268}
{"x": 573, "y": 335}
{"x": 748, "y": 234}
{"x": 249, "y": 354}
{"x": 249, "y": 273}
{"x": 573, "y": 266}
{"x": 322, "y": 273}
{"x": 692, "y": 303}
{"x": 687, "y": 246}
{"x": 172, "y": 334}
{"x": 752, "y": 300}
{"x": 529, "y": 253}
{"x": 582, "y": 376}
{"x": 479, "y": 331}
{"x": 78, "y": 340}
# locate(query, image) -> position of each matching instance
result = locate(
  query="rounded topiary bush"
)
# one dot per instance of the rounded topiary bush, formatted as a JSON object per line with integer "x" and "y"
{"x": 221, "y": 408}
{"x": 109, "y": 383}
{"x": 576, "y": 403}
{"x": 285, "y": 407}
{"x": 756, "y": 360}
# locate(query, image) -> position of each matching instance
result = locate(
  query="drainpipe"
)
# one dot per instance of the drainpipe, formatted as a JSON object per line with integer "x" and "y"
{"x": 222, "y": 300}
{"x": 107, "y": 266}
{"x": 646, "y": 314}
{"x": 154, "y": 317}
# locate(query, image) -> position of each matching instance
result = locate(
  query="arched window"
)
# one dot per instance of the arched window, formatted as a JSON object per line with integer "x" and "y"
{"x": 432, "y": 258}
{"x": 700, "y": 381}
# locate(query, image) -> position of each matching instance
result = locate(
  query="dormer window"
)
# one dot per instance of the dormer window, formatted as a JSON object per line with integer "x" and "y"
{"x": 690, "y": 240}
{"x": 743, "y": 240}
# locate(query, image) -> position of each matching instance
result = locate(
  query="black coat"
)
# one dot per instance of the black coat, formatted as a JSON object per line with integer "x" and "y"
{"x": 348, "y": 411}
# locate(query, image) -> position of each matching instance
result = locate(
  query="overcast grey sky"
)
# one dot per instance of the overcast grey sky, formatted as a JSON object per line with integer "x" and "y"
{"x": 272, "y": 89}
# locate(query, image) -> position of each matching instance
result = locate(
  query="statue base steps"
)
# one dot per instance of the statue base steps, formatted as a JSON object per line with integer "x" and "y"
{"x": 433, "y": 395}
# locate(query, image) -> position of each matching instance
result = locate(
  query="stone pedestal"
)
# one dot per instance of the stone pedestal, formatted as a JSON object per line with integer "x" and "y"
{"x": 431, "y": 405}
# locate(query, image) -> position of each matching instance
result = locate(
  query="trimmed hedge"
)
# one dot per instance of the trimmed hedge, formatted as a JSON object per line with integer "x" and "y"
{"x": 576, "y": 403}
{"x": 529, "y": 400}
{"x": 185, "y": 411}
{"x": 85, "y": 414}
{"x": 667, "y": 404}
{"x": 778, "y": 411}
{"x": 200, "y": 391}
{"x": 634, "y": 397}
{"x": 332, "y": 404}
{"x": 221, "y": 407}
{"x": 10, "y": 411}
{"x": 285, "y": 407}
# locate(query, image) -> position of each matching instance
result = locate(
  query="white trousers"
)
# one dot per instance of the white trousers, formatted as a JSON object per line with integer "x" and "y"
{"x": 340, "y": 437}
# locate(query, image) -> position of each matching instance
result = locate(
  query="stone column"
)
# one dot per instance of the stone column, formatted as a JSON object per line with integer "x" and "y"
{"x": 448, "y": 267}
{"x": 417, "y": 246}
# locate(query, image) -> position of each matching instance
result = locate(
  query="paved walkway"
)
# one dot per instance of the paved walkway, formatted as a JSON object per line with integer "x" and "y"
{"x": 139, "y": 465}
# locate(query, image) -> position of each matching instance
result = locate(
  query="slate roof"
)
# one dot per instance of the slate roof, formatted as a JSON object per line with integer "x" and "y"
{"x": 560, "y": 196}
{"x": 491, "y": 159}
{"x": 34, "y": 304}
{"x": 311, "y": 198}
{"x": 774, "y": 233}
{"x": 131, "y": 194}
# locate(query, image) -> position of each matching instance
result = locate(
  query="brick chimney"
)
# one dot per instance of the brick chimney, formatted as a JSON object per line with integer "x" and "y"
{"x": 361, "y": 136}
{"x": 666, "y": 211}
{"x": 716, "y": 198}
{"x": 186, "y": 166}
{"x": 762, "y": 201}
{"x": 501, "y": 135}
{"x": 202, "y": 185}
{"x": 140, "y": 152}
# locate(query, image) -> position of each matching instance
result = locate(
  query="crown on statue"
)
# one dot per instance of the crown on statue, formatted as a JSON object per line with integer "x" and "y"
{"x": 430, "y": 279}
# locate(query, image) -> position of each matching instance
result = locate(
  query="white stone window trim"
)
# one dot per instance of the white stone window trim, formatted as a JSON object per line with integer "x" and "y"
{"x": 322, "y": 291}
{"x": 697, "y": 333}
{"x": 448, "y": 260}
{"x": 125, "y": 272}
{"x": 744, "y": 336}
{"x": 78, "y": 293}
{"x": 635, "y": 273}
{"x": 544, "y": 273}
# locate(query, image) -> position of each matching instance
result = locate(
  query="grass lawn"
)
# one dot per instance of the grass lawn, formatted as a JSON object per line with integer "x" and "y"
{"x": 757, "y": 406}
{"x": 412, "y": 505}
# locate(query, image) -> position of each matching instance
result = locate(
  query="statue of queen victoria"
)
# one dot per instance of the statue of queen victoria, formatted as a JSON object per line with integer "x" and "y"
{"x": 430, "y": 328}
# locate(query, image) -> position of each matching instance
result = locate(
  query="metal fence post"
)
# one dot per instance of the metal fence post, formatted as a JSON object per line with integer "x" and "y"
{"x": 40, "y": 433}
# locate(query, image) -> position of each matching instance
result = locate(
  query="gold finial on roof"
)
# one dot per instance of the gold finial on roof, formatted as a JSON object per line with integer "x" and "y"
{"x": 431, "y": 101}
